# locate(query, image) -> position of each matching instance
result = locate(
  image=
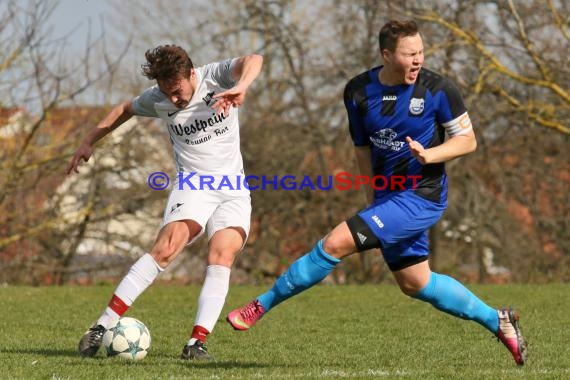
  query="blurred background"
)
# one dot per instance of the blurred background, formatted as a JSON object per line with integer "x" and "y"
{"x": 63, "y": 65}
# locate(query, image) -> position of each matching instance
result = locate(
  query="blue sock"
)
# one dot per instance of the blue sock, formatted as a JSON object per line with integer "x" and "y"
{"x": 449, "y": 295}
{"x": 305, "y": 272}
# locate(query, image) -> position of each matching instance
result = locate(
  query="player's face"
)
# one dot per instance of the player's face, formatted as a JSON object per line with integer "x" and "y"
{"x": 179, "y": 91}
{"x": 406, "y": 61}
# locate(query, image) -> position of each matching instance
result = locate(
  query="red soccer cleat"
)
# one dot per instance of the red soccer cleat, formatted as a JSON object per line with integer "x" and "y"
{"x": 245, "y": 317}
{"x": 511, "y": 335}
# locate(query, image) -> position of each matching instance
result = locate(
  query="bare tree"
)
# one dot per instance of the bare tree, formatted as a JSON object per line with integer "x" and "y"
{"x": 508, "y": 202}
{"x": 38, "y": 77}
{"x": 509, "y": 59}
{"x": 501, "y": 53}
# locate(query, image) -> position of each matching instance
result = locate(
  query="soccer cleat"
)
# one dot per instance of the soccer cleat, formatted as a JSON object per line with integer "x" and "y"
{"x": 244, "y": 318}
{"x": 511, "y": 335}
{"x": 196, "y": 351}
{"x": 91, "y": 341}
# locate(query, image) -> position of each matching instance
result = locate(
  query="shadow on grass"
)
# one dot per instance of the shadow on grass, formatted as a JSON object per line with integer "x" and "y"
{"x": 226, "y": 364}
{"x": 40, "y": 351}
{"x": 190, "y": 364}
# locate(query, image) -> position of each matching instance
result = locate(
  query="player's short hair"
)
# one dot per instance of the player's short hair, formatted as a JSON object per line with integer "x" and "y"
{"x": 393, "y": 30}
{"x": 167, "y": 62}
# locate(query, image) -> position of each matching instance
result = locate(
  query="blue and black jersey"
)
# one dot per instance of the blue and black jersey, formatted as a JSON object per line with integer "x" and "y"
{"x": 382, "y": 116}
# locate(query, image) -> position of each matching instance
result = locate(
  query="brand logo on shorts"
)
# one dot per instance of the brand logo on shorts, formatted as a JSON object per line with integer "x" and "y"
{"x": 378, "y": 222}
{"x": 176, "y": 208}
{"x": 361, "y": 237}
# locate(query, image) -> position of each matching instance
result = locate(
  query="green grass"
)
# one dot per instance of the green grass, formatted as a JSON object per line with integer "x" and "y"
{"x": 327, "y": 332}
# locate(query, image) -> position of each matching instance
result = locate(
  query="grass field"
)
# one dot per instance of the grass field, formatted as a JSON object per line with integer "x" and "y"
{"x": 327, "y": 332}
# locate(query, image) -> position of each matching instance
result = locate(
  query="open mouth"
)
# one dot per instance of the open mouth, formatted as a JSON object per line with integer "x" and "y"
{"x": 414, "y": 72}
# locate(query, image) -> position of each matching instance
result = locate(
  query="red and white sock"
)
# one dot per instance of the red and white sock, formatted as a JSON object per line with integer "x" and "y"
{"x": 198, "y": 333}
{"x": 211, "y": 301}
{"x": 140, "y": 276}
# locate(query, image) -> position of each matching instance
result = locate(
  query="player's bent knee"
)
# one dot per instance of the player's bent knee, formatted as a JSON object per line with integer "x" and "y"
{"x": 224, "y": 257}
{"x": 337, "y": 247}
{"x": 162, "y": 262}
{"x": 409, "y": 290}
{"x": 162, "y": 256}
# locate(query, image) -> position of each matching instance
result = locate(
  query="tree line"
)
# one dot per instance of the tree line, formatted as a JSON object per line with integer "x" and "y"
{"x": 509, "y": 204}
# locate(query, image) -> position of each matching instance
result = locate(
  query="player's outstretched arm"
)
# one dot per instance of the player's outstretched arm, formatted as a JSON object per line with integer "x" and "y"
{"x": 246, "y": 69}
{"x": 456, "y": 146}
{"x": 118, "y": 115}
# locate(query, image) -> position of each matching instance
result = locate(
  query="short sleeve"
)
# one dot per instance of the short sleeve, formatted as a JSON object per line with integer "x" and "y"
{"x": 451, "y": 112}
{"x": 143, "y": 105}
{"x": 221, "y": 72}
{"x": 355, "y": 123}
{"x": 450, "y": 105}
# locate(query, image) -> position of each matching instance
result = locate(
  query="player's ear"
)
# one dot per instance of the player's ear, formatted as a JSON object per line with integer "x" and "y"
{"x": 385, "y": 54}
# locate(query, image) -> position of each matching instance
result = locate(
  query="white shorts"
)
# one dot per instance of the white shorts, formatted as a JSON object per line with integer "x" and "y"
{"x": 213, "y": 210}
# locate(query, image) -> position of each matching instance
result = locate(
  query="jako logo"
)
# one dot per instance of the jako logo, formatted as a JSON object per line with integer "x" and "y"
{"x": 389, "y": 97}
{"x": 378, "y": 222}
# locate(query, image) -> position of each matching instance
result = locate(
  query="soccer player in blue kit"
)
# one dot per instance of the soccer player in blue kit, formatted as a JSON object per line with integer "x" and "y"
{"x": 398, "y": 115}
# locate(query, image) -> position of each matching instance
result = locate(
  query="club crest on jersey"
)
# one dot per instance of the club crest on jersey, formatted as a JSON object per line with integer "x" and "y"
{"x": 416, "y": 106}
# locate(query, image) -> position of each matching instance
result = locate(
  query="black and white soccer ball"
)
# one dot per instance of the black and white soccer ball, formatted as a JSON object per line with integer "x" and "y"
{"x": 129, "y": 338}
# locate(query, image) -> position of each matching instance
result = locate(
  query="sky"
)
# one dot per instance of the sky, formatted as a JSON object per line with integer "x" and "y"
{"x": 74, "y": 15}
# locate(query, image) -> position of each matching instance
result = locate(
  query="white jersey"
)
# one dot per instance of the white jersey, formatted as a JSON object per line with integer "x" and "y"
{"x": 203, "y": 142}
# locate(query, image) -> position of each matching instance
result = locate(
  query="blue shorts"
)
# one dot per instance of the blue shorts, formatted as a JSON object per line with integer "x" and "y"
{"x": 398, "y": 225}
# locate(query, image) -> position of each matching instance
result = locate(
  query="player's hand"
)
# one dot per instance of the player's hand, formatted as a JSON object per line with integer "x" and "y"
{"x": 234, "y": 97}
{"x": 84, "y": 152}
{"x": 418, "y": 150}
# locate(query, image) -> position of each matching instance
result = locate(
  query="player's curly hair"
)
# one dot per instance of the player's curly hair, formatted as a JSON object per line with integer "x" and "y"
{"x": 167, "y": 62}
{"x": 394, "y": 29}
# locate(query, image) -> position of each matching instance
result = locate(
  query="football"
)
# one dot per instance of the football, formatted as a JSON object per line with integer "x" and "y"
{"x": 129, "y": 338}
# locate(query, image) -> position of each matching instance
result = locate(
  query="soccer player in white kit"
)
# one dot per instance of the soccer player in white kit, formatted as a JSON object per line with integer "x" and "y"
{"x": 199, "y": 107}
